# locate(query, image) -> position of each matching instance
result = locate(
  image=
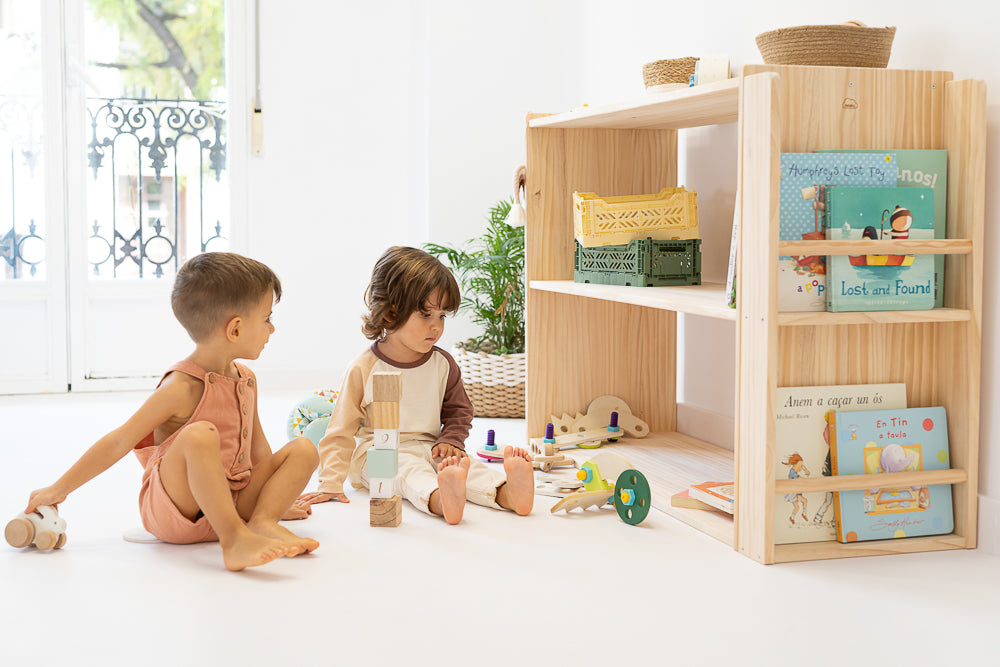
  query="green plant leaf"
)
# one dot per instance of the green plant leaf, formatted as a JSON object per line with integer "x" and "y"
{"x": 490, "y": 272}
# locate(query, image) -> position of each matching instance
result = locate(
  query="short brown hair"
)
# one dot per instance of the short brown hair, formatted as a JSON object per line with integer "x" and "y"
{"x": 213, "y": 287}
{"x": 402, "y": 282}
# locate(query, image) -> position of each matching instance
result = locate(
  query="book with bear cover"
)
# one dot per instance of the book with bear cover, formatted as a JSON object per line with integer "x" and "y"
{"x": 802, "y": 449}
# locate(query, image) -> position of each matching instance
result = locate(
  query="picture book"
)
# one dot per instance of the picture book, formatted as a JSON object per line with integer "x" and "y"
{"x": 721, "y": 495}
{"x": 925, "y": 168}
{"x": 884, "y": 441}
{"x": 684, "y": 499}
{"x": 804, "y": 178}
{"x": 893, "y": 281}
{"x": 802, "y": 449}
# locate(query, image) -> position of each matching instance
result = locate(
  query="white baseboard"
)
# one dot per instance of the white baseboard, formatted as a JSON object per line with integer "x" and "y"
{"x": 697, "y": 422}
{"x": 988, "y": 538}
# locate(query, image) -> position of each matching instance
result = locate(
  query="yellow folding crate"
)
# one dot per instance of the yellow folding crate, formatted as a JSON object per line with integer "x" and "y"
{"x": 670, "y": 214}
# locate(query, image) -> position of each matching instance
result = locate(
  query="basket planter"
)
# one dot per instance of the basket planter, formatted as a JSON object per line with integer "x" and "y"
{"x": 851, "y": 44}
{"x": 494, "y": 382}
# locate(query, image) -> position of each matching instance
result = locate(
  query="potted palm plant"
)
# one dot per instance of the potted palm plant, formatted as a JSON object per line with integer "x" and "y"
{"x": 490, "y": 272}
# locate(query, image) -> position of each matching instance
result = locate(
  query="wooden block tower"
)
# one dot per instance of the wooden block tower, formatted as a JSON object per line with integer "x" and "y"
{"x": 383, "y": 457}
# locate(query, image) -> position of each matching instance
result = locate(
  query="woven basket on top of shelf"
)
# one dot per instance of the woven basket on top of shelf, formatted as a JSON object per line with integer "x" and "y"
{"x": 666, "y": 74}
{"x": 494, "y": 382}
{"x": 851, "y": 44}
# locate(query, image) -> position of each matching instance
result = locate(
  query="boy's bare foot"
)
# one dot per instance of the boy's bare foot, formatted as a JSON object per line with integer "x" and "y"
{"x": 520, "y": 479}
{"x": 250, "y": 550}
{"x": 452, "y": 473}
{"x": 296, "y": 545}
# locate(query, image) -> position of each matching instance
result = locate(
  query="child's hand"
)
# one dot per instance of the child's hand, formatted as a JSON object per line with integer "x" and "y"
{"x": 443, "y": 450}
{"x": 47, "y": 496}
{"x": 298, "y": 510}
{"x": 316, "y": 497}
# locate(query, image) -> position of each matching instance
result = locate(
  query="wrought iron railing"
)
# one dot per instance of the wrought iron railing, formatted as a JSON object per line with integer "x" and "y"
{"x": 130, "y": 237}
{"x": 22, "y": 249}
{"x": 156, "y": 187}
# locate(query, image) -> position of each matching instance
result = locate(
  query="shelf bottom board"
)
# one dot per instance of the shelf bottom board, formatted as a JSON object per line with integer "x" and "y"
{"x": 671, "y": 462}
{"x": 787, "y": 553}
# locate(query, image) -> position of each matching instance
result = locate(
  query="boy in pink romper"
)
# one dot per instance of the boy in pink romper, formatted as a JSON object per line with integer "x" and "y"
{"x": 209, "y": 472}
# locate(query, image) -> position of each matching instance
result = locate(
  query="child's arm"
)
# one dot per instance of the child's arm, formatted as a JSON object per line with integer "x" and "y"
{"x": 456, "y": 416}
{"x": 158, "y": 408}
{"x": 337, "y": 445}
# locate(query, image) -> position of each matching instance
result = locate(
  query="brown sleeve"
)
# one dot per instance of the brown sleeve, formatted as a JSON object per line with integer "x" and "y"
{"x": 456, "y": 408}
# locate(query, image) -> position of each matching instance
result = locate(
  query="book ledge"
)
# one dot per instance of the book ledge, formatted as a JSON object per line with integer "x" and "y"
{"x": 882, "y": 247}
{"x": 880, "y": 480}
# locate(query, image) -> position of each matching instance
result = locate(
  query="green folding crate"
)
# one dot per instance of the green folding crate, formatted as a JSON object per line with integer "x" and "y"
{"x": 643, "y": 263}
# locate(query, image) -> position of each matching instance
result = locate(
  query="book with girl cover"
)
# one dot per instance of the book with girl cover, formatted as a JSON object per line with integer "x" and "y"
{"x": 721, "y": 495}
{"x": 924, "y": 168}
{"x": 886, "y": 441}
{"x": 804, "y": 178}
{"x": 880, "y": 280}
{"x": 802, "y": 449}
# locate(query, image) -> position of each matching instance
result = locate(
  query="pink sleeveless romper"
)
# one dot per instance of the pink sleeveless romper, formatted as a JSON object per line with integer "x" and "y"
{"x": 230, "y": 405}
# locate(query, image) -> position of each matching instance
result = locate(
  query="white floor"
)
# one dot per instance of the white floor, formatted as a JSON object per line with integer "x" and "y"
{"x": 495, "y": 590}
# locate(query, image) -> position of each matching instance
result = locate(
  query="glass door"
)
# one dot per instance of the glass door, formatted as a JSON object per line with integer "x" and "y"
{"x": 33, "y": 321}
{"x": 152, "y": 185}
{"x": 114, "y": 169}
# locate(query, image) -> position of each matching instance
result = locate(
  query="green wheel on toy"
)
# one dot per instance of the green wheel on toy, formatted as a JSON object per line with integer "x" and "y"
{"x": 632, "y": 497}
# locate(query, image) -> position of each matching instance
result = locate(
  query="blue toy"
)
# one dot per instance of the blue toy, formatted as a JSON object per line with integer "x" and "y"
{"x": 310, "y": 417}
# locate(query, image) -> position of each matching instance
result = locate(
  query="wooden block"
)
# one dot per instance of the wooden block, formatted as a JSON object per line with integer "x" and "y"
{"x": 385, "y": 438}
{"x": 384, "y": 415}
{"x": 387, "y": 386}
{"x": 382, "y": 463}
{"x": 381, "y": 487}
{"x": 385, "y": 512}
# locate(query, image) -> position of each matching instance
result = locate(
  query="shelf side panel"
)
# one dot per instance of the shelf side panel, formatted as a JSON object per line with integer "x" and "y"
{"x": 580, "y": 349}
{"x": 757, "y": 317}
{"x": 965, "y": 140}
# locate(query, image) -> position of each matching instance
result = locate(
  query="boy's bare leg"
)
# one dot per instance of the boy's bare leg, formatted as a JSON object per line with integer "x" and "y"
{"x": 449, "y": 498}
{"x": 193, "y": 477}
{"x": 274, "y": 485}
{"x": 518, "y": 492}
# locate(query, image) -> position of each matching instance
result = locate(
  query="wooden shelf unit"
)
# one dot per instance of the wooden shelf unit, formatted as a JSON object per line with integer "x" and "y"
{"x": 589, "y": 340}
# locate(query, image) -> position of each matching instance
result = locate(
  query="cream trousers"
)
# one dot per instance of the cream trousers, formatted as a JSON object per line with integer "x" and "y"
{"x": 417, "y": 477}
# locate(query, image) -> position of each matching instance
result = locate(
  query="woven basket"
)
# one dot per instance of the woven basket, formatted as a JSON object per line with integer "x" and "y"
{"x": 668, "y": 73}
{"x": 494, "y": 382}
{"x": 850, "y": 44}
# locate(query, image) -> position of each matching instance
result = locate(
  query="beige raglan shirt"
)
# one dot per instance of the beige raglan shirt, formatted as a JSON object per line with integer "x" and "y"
{"x": 433, "y": 408}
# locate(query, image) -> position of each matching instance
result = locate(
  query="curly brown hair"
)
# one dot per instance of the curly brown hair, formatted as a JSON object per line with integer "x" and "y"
{"x": 402, "y": 282}
{"x": 213, "y": 287}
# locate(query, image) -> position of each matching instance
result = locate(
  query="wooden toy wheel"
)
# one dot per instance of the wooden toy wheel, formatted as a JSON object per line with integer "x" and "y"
{"x": 19, "y": 533}
{"x": 632, "y": 497}
{"x": 61, "y": 542}
{"x": 46, "y": 540}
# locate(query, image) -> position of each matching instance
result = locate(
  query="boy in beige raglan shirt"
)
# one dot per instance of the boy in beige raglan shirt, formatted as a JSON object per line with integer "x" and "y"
{"x": 408, "y": 298}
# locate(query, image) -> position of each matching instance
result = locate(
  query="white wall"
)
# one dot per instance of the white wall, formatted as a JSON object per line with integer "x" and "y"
{"x": 401, "y": 122}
